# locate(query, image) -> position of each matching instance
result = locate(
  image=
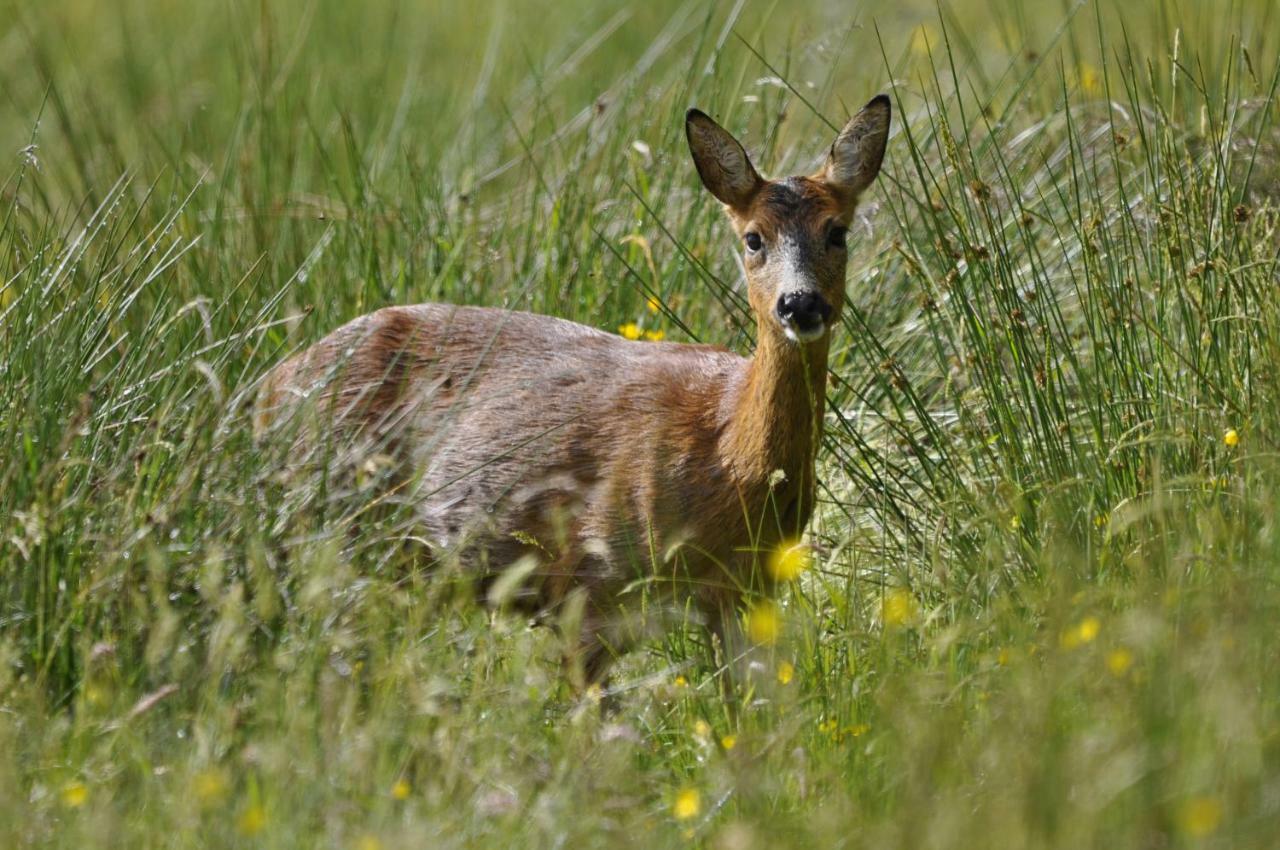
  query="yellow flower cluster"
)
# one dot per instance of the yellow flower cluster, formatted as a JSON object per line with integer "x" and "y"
{"x": 1200, "y": 816}
{"x": 899, "y": 608}
{"x": 764, "y": 625}
{"x": 74, "y": 794}
{"x": 786, "y": 672}
{"x": 687, "y": 805}
{"x": 924, "y": 39}
{"x": 832, "y": 727}
{"x": 210, "y": 786}
{"x": 252, "y": 820}
{"x": 633, "y": 331}
{"x": 702, "y": 731}
{"x": 1119, "y": 661}
{"x": 789, "y": 560}
{"x": 1081, "y": 633}
{"x": 1090, "y": 79}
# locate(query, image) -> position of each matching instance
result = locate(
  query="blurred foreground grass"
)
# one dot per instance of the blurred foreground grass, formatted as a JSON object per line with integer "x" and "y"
{"x": 1044, "y": 604}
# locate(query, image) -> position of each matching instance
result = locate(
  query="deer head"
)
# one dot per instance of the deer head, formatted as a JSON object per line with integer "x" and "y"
{"x": 793, "y": 230}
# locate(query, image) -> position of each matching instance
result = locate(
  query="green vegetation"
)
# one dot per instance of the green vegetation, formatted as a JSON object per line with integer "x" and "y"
{"x": 1045, "y": 597}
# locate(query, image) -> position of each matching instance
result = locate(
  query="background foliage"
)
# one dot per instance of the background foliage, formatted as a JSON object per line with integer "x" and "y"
{"x": 1043, "y": 607}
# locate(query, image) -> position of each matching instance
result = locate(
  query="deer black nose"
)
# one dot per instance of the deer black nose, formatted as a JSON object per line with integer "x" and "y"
{"x": 806, "y": 309}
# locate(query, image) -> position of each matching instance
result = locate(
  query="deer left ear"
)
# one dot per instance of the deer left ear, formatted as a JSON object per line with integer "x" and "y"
{"x": 855, "y": 157}
{"x": 723, "y": 165}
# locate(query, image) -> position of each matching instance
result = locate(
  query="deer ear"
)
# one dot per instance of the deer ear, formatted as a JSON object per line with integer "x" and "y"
{"x": 722, "y": 164}
{"x": 855, "y": 157}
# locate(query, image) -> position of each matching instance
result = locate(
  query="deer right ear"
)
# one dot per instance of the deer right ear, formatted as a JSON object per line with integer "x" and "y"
{"x": 854, "y": 160}
{"x": 722, "y": 164}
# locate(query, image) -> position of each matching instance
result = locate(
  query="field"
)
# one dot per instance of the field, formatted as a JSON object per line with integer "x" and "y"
{"x": 1044, "y": 601}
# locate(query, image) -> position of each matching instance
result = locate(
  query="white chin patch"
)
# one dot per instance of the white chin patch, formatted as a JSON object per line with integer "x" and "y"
{"x": 798, "y": 335}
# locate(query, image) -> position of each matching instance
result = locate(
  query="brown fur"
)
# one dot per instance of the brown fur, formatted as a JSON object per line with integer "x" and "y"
{"x": 615, "y": 464}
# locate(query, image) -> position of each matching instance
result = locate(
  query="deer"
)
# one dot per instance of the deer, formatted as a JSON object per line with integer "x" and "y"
{"x": 609, "y": 471}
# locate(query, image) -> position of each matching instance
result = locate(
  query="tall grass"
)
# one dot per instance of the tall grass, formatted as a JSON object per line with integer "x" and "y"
{"x": 1043, "y": 608}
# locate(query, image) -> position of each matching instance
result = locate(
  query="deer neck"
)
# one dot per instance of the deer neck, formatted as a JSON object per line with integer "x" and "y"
{"x": 776, "y": 413}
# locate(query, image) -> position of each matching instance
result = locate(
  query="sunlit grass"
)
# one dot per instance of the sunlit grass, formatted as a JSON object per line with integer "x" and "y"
{"x": 1037, "y": 605}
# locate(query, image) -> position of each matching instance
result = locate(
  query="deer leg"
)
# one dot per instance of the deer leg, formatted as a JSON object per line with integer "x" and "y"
{"x": 725, "y": 628}
{"x": 605, "y": 632}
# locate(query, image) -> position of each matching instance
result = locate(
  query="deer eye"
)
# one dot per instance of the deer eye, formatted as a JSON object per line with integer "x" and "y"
{"x": 753, "y": 241}
{"x": 836, "y": 238}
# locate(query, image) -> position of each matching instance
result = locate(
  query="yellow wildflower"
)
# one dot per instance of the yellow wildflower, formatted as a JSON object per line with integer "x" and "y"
{"x": 209, "y": 786}
{"x": 1200, "y": 816}
{"x": 789, "y": 560}
{"x": 252, "y": 820}
{"x": 630, "y": 331}
{"x": 899, "y": 607}
{"x": 400, "y": 789}
{"x": 655, "y": 335}
{"x": 96, "y": 695}
{"x": 763, "y": 623}
{"x": 838, "y": 735}
{"x": 923, "y": 39}
{"x": 1231, "y": 438}
{"x": 786, "y": 672}
{"x": 653, "y": 304}
{"x": 1119, "y": 661}
{"x": 681, "y": 682}
{"x": 702, "y": 729}
{"x": 1090, "y": 79}
{"x": 729, "y": 741}
{"x": 74, "y": 794}
{"x": 688, "y": 804}
{"x": 1081, "y": 633}
{"x": 1004, "y": 656}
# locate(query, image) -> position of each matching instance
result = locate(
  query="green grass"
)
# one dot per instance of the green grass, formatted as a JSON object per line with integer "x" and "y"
{"x": 1044, "y": 608}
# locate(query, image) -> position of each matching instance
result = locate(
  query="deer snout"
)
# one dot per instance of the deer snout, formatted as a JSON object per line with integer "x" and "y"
{"x": 803, "y": 314}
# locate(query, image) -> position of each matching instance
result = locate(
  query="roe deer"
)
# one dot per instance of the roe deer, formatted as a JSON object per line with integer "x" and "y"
{"x": 597, "y": 463}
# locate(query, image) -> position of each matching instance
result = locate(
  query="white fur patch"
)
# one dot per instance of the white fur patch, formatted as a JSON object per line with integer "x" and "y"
{"x": 797, "y": 335}
{"x": 795, "y": 280}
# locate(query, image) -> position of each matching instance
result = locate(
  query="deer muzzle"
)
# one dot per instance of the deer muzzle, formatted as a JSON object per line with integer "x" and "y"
{"x": 804, "y": 314}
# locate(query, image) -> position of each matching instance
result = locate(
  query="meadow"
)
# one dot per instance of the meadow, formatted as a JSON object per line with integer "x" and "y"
{"x": 1043, "y": 601}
